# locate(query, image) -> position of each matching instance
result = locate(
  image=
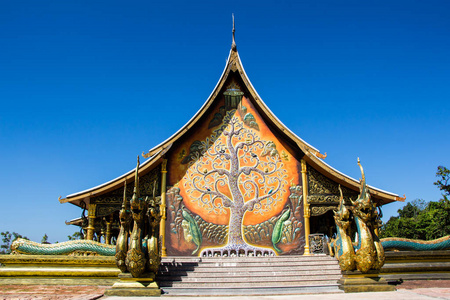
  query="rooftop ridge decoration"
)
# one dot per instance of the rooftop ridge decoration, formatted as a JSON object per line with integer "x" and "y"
{"x": 233, "y": 44}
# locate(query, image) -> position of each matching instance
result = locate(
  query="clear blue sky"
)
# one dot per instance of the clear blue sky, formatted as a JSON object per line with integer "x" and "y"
{"x": 86, "y": 86}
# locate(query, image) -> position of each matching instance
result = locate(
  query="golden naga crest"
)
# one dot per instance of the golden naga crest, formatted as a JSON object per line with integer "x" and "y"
{"x": 138, "y": 247}
{"x": 367, "y": 253}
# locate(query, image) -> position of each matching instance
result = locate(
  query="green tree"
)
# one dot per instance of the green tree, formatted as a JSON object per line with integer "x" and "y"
{"x": 75, "y": 236}
{"x": 44, "y": 239}
{"x": 421, "y": 220}
{"x": 7, "y": 238}
{"x": 443, "y": 182}
{"x": 412, "y": 209}
{"x": 404, "y": 225}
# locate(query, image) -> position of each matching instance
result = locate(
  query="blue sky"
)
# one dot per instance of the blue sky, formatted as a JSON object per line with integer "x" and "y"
{"x": 86, "y": 86}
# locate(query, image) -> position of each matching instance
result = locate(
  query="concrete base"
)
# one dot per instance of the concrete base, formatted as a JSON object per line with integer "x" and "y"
{"x": 357, "y": 282}
{"x": 129, "y": 286}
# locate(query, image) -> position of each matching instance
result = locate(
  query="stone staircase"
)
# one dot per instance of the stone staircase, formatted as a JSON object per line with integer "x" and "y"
{"x": 272, "y": 275}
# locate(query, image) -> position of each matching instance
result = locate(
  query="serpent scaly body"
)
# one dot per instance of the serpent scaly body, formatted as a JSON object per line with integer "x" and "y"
{"x": 22, "y": 246}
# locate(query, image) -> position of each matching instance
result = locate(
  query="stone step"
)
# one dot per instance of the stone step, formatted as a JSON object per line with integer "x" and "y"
{"x": 417, "y": 266}
{"x": 271, "y": 258}
{"x": 417, "y": 276}
{"x": 246, "y": 259}
{"x": 258, "y": 273}
{"x": 269, "y": 263}
{"x": 169, "y": 259}
{"x": 247, "y": 279}
{"x": 255, "y": 269}
{"x": 239, "y": 284}
{"x": 251, "y": 264}
{"x": 168, "y": 291}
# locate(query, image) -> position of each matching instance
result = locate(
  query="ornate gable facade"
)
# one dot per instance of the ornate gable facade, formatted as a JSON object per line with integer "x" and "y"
{"x": 234, "y": 179}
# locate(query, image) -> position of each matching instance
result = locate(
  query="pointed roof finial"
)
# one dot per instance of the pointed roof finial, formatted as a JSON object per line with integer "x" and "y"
{"x": 233, "y": 44}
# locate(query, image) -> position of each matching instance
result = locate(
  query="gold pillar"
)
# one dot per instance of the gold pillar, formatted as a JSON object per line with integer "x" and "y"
{"x": 162, "y": 228}
{"x": 108, "y": 230}
{"x": 306, "y": 211}
{"x": 91, "y": 220}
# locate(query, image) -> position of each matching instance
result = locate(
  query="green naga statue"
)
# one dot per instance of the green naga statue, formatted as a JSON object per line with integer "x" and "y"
{"x": 139, "y": 253}
{"x": 367, "y": 254}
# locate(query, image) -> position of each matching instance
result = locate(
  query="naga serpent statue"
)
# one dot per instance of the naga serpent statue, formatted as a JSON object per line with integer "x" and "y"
{"x": 395, "y": 243}
{"x": 368, "y": 255}
{"x": 122, "y": 238}
{"x": 143, "y": 255}
{"x": 374, "y": 226}
{"x": 138, "y": 253}
{"x": 73, "y": 248}
{"x": 342, "y": 246}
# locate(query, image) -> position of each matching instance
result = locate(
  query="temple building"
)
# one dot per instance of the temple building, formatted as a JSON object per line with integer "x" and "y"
{"x": 234, "y": 179}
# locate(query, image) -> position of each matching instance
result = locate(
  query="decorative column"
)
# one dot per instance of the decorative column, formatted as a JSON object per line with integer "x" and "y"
{"x": 108, "y": 230}
{"x": 102, "y": 235}
{"x": 91, "y": 220}
{"x": 162, "y": 228}
{"x": 306, "y": 211}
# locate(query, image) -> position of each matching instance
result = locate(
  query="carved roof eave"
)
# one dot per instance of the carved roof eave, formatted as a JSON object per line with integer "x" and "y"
{"x": 382, "y": 196}
{"x": 77, "y": 222}
{"x": 111, "y": 185}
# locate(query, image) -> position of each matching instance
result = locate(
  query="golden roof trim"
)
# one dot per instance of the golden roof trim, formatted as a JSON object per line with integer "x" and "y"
{"x": 115, "y": 183}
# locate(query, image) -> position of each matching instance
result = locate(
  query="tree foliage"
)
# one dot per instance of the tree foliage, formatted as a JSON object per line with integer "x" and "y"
{"x": 7, "y": 238}
{"x": 75, "y": 236}
{"x": 421, "y": 220}
{"x": 44, "y": 239}
{"x": 444, "y": 180}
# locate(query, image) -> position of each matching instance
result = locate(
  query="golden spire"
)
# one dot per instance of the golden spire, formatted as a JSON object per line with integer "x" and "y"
{"x": 233, "y": 44}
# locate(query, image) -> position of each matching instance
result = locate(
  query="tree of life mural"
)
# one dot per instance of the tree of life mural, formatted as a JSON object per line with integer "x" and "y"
{"x": 236, "y": 172}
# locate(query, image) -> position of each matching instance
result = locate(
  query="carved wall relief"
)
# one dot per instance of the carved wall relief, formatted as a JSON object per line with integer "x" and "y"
{"x": 106, "y": 210}
{"x": 323, "y": 190}
{"x": 323, "y": 193}
{"x": 284, "y": 231}
{"x": 236, "y": 185}
{"x": 320, "y": 210}
{"x": 114, "y": 198}
{"x": 111, "y": 202}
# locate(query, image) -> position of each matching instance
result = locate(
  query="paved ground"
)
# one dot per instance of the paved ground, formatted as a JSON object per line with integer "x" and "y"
{"x": 417, "y": 294}
{"x": 411, "y": 290}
